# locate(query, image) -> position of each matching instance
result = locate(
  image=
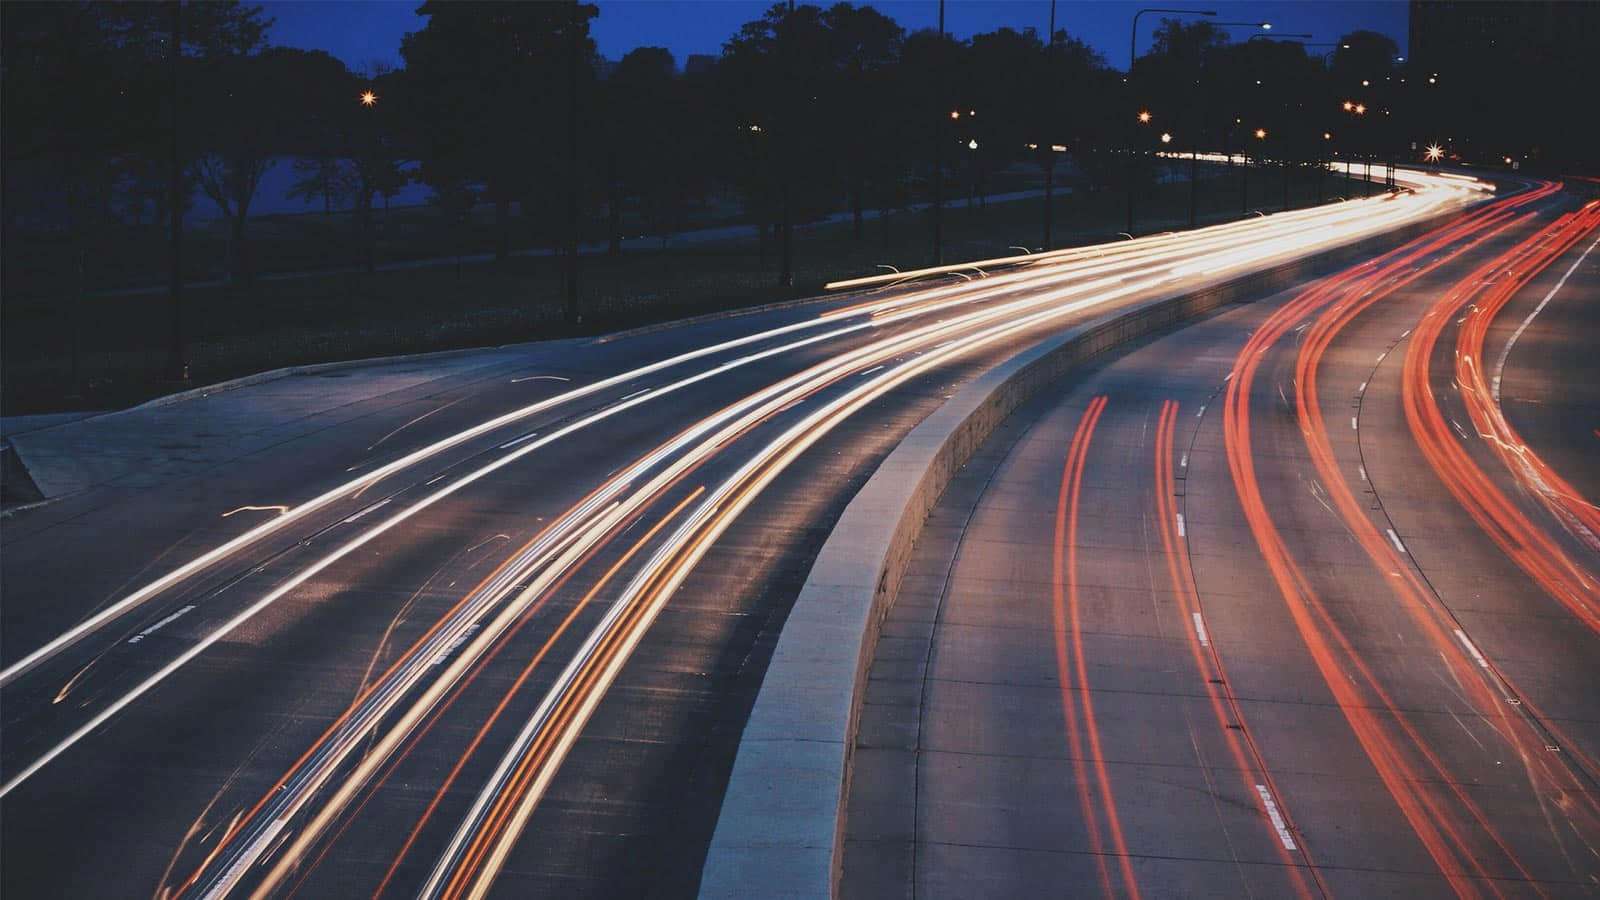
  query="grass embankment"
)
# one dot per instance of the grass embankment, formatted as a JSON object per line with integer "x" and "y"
{"x": 234, "y": 330}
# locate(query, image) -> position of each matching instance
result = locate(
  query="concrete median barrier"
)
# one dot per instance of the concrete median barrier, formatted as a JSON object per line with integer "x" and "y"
{"x": 780, "y": 830}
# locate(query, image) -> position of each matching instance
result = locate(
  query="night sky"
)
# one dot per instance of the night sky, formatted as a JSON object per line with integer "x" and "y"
{"x": 362, "y": 32}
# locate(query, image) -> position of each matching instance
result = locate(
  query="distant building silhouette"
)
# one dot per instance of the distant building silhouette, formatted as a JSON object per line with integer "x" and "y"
{"x": 1511, "y": 75}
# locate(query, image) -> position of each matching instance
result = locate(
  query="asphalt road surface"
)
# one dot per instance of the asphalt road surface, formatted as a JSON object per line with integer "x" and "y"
{"x": 500, "y": 630}
{"x": 1276, "y": 604}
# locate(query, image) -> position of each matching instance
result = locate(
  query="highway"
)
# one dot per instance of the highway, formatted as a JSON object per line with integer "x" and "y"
{"x": 500, "y": 634}
{"x": 1298, "y": 600}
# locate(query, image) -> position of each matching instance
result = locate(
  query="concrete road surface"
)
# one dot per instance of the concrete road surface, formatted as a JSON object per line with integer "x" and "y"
{"x": 1210, "y": 619}
{"x": 496, "y": 620}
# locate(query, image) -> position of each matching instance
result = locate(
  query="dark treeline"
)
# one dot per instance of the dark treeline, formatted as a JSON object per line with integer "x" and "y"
{"x": 806, "y": 111}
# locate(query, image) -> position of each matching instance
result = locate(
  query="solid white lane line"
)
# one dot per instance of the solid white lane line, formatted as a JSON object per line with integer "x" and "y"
{"x": 1505, "y": 352}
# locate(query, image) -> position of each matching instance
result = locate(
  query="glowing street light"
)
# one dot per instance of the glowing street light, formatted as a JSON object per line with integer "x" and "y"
{"x": 1261, "y": 134}
{"x": 1144, "y": 117}
{"x": 1361, "y": 109}
{"x": 1166, "y": 138}
{"x": 972, "y": 144}
{"x": 1348, "y": 106}
{"x": 1435, "y": 153}
{"x": 368, "y": 98}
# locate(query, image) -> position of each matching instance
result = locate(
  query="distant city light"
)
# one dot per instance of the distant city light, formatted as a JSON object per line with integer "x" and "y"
{"x": 368, "y": 98}
{"x": 1144, "y": 116}
{"x": 1361, "y": 109}
{"x": 972, "y": 144}
{"x": 1435, "y": 153}
{"x": 1261, "y": 133}
{"x": 1166, "y": 138}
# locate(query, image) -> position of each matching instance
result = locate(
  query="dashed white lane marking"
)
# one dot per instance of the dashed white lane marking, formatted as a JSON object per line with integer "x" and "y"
{"x": 1467, "y": 643}
{"x": 455, "y": 645}
{"x": 515, "y": 441}
{"x": 1200, "y": 630}
{"x": 635, "y": 394}
{"x": 871, "y": 370}
{"x": 281, "y": 510}
{"x": 1396, "y": 539}
{"x": 438, "y": 477}
{"x": 539, "y": 378}
{"x": 1275, "y": 816}
{"x": 1362, "y": 389}
{"x": 159, "y": 625}
{"x": 1180, "y": 525}
{"x": 1352, "y": 423}
{"x": 1382, "y": 355}
{"x": 379, "y": 505}
{"x": 1183, "y": 461}
{"x": 231, "y": 875}
{"x": 1363, "y": 470}
{"x": 1201, "y": 411}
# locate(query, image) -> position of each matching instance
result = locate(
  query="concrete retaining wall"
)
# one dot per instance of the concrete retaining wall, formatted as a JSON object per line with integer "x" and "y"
{"x": 780, "y": 832}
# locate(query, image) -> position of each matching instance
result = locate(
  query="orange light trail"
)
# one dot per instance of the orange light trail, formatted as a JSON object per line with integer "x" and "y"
{"x": 1073, "y": 675}
{"x": 1417, "y": 599}
{"x": 1335, "y": 657}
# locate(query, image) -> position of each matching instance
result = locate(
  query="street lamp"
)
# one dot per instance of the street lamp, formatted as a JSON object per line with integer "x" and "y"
{"x": 1261, "y": 134}
{"x": 368, "y": 98}
{"x": 1166, "y": 138}
{"x": 1133, "y": 54}
{"x": 1435, "y": 153}
{"x": 1144, "y": 117}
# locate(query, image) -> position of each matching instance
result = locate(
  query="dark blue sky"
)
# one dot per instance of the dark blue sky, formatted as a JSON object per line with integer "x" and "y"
{"x": 358, "y": 32}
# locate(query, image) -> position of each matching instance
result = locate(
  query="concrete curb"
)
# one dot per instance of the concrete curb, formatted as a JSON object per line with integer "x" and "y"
{"x": 780, "y": 831}
{"x": 310, "y": 369}
{"x": 713, "y": 317}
